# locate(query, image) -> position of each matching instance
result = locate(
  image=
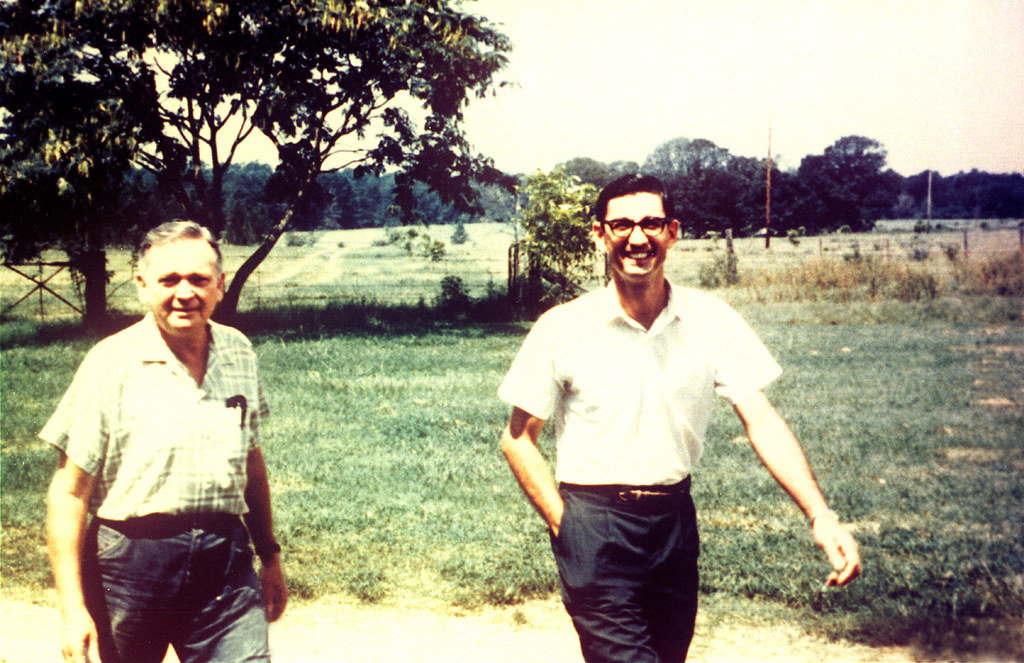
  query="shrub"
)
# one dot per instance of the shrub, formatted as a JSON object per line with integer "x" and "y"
{"x": 453, "y": 300}
{"x": 299, "y": 239}
{"x": 433, "y": 249}
{"x": 722, "y": 271}
{"x": 460, "y": 236}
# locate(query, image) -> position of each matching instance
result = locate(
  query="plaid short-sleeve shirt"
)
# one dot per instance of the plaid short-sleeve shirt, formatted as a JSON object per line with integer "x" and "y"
{"x": 154, "y": 441}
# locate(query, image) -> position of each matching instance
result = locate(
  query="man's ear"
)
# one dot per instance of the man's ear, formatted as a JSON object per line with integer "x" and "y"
{"x": 140, "y": 287}
{"x": 597, "y": 230}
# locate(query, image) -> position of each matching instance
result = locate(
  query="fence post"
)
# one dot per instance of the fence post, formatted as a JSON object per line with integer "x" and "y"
{"x": 42, "y": 310}
{"x": 732, "y": 275}
{"x": 966, "y": 254}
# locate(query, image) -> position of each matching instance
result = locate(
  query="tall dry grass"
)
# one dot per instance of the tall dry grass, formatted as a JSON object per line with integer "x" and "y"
{"x": 873, "y": 278}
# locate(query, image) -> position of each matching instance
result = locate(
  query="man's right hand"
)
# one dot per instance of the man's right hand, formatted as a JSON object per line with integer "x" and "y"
{"x": 79, "y": 641}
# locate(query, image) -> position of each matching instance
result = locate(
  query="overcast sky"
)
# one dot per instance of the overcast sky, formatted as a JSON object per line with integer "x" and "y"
{"x": 940, "y": 83}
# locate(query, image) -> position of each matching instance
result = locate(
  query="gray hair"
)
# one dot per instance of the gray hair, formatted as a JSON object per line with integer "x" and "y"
{"x": 172, "y": 231}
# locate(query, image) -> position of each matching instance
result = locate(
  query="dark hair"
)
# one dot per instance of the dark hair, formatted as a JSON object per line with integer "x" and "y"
{"x": 175, "y": 230}
{"x": 627, "y": 185}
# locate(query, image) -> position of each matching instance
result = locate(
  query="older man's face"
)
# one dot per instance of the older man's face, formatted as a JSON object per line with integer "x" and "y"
{"x": 180, "y": 283}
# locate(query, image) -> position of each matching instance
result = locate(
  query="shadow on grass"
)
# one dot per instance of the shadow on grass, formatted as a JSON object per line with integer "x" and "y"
{"x": 300, "y": 322}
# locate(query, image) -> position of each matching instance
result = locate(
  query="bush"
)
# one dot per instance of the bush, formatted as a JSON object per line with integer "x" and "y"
{"x": 460, "y": 236}
{"x": 433, "y": 249}
{"x": 721, "y": 272}
{"x": 299, "y": 239}
{"x": 453, "y": 300}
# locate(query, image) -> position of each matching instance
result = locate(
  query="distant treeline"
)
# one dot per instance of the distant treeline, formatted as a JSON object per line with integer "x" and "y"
{"x": 846, "y": 187}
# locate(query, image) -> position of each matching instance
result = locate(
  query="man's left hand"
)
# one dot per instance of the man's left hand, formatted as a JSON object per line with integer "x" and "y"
{"x": 840, "y": 547}
{"x": 275, "y": 591}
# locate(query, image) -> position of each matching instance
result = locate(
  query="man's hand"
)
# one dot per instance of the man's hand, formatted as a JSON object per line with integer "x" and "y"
{"x": 840, "y": 547}
{"x": 79, "y": 642}
{"x": 273, "y": 587}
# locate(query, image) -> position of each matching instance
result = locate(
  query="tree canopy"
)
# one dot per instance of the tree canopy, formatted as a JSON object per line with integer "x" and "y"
{"x": 556, "y": 218}
{"x": 377, "y": 86}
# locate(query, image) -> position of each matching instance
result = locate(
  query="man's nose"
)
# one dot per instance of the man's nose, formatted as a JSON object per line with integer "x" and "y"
{"x": 184, "y": 290}
{"x": 637, "y": 236}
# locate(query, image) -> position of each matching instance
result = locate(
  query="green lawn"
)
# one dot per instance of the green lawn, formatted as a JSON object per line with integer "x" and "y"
{"x": 388, "y": 481}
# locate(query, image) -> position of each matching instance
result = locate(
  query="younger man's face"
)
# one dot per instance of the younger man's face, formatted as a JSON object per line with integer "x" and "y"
{"x": 637, "y": 257}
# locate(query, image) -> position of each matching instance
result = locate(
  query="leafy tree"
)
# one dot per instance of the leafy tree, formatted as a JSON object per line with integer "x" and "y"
{"x": 851, "y": 184}
{"x": 713, "y": 190}
{"x": 589, "y": 171}
{"x": 460, "y": 236}
{"x": 974, "y": 195}
{"x": 66, "y": 140}
{"x": 324, "y": 81}
{"x": 685, "y": 157}
{"x": 559, "y": 241}
{"x": 335, "y": 73}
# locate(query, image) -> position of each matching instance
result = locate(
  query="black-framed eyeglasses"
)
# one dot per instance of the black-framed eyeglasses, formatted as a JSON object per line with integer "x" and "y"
{"x": 651, "y": 226}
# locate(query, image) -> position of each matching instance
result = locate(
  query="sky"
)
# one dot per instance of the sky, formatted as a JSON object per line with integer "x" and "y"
{"x": 939, "y": 83}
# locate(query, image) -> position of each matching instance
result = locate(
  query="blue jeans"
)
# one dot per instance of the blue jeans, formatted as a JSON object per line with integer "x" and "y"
{"x": 628, "y": 572}
{"x": 148, "y": 588}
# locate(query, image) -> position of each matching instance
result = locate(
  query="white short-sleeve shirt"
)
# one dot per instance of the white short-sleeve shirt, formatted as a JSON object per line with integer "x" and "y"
{"x": 630, "y": 405}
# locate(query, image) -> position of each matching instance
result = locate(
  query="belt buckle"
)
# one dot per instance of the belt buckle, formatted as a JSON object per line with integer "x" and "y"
{"x": 630, "y": 495}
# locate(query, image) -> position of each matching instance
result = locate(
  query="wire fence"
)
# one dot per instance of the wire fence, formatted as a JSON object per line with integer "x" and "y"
{"x": 360, "y": 265}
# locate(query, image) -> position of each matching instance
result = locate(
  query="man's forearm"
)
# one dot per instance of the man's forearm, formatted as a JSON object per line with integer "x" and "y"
{"x": 534, "y": 476}
{"x": 781, "y": 454}
{"x": 66, "y": 514}
{"x": 259, "y": 520}
{"x": 65, "y": 534}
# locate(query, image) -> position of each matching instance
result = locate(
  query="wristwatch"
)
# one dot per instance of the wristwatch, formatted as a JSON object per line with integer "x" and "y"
{"x": 268, "y": 550}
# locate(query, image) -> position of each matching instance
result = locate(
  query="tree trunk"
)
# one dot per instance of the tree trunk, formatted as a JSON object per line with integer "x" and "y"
{"x": 228, "y": 307}
{"x": 93, "y": 267}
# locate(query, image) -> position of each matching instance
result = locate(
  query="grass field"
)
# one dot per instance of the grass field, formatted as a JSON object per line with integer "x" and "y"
{"x": 388, "y": 482}
{"x": 359, "y": 265}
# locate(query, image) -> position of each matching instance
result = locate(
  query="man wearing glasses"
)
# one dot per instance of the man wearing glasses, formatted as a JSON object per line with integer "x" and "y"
{"x": 629, "y": 374}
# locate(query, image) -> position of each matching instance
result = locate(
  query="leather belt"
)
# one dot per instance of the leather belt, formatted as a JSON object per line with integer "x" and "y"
{"x": 164, "y": 525}
{"x": 627, "y": 493}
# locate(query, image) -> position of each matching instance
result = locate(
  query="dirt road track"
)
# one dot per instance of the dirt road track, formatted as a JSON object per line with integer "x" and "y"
{"x": 538, "y": 632}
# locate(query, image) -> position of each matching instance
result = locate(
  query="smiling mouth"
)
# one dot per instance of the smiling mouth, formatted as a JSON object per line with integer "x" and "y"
{"x": 640, "y": 255}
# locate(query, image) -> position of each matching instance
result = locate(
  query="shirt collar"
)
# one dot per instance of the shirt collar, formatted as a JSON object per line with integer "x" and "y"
{"x": 153, "y": 348}
{"x": 611, "y": 311}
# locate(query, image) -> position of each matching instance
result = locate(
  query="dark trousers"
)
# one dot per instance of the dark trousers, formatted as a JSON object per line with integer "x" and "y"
{"x": 628, "y": 569}
{"x": 186, "y": 582}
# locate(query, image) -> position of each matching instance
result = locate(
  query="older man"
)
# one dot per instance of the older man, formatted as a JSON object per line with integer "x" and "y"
{"x": 158, "y": 437}
{"x": 629, "y": 374}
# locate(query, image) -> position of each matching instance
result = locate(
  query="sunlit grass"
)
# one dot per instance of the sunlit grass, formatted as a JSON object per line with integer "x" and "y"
{"x": 388, "y": 482}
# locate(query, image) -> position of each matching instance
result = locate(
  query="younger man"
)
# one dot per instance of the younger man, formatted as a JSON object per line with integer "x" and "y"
{"x": 629, "y": 374}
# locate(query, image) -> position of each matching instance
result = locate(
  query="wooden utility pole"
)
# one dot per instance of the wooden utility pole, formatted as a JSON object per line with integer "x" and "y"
{"x": 768, "y": 195}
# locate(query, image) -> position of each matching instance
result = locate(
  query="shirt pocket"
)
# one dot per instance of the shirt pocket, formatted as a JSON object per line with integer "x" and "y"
{"x": 225, "y": 444}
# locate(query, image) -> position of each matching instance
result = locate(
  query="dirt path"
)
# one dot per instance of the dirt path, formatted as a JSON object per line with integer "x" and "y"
{"x": 537, "y": 632}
